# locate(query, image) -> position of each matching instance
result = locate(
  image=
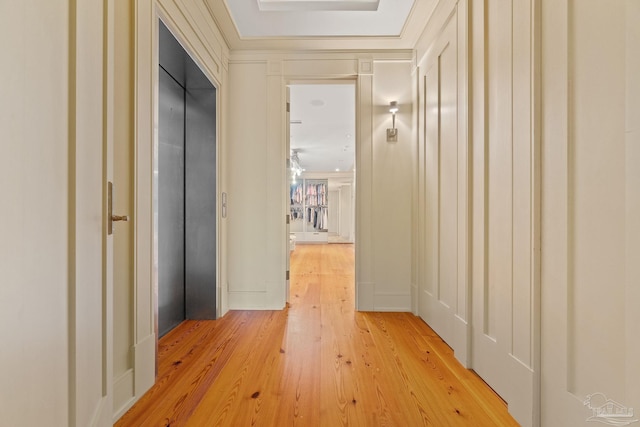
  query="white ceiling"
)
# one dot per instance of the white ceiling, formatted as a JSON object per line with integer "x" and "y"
{"x": 321, "y": 24}
{"x": 323, "y": 122}
{"x": 308, "y": 18}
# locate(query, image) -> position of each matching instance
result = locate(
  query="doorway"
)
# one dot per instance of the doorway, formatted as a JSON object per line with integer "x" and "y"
{"x": 322, "y": 145}
{"x": 186, "y": 162}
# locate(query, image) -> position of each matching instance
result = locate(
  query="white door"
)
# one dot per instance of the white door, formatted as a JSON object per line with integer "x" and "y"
{"x": 53, "y": 293}
{"x": 440, "y": 181}
{"x": 120, "y": 173}
{"x": 91, "y": 246}
{"x": 442, "y": 282}
{"x": 590, "y": 212}
{"x": 505, "y": 223}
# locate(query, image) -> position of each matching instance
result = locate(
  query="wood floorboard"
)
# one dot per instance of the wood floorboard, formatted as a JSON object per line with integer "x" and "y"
{"x": 316, "y": 363}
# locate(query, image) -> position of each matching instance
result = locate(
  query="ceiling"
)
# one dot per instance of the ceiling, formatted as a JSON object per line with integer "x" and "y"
{"x": 321, "y": 24}
{"x": 309, "y": 18}
{"x": 323, "y": 123}
{"x": 325, "y": 136}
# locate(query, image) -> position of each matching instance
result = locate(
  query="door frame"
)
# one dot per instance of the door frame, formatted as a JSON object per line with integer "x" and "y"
{"x": 317, "y": 80}
{"x": 145, "y": 293}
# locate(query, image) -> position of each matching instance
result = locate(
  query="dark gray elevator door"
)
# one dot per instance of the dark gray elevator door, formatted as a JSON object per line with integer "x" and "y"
{"x": 200, "y": 203}
{"x": 187, "y": 238}
{"x": 171, "y": 164}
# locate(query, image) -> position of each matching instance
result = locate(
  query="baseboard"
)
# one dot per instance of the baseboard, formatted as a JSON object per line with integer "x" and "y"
{"x": 102, "y": 414}
{"x": 144, "y": 355}
{"x": 365, "y": 298}
{"x": 386, "y": 301}
{"x": 414, "y": 298}
{"x": 248, "y": 300}
{"x": 461, "y": 344}
{"x": 123, "y": 394}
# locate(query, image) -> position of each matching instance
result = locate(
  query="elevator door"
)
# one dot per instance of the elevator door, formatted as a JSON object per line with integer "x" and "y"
{"x": 187, "y": 238}
{"x": 171, "y": 242}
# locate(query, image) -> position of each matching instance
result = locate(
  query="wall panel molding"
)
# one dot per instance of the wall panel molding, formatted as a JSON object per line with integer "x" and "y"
{"x": 443, "y": 180}
{"x": 588, "y": 236}
{"x": 505, "y": 202}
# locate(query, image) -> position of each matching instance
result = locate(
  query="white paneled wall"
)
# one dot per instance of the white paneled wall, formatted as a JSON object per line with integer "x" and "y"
{"x": 54, "y": 291}
{"x": 476, "y": 192}
{"x": 257, "y": 239}
{"x": 505, "y": 288}
{"x": 34, "y": 249}
{"x": 251, "y": 192}
{"x": 590, "y": 210}
{"x": 554, "y": 219}
{"x": 390, "y": 210}
{"x": 442, "y": 216}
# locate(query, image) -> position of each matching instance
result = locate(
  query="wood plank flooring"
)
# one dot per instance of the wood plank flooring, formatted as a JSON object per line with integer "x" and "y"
{"x": 316, "y": 363}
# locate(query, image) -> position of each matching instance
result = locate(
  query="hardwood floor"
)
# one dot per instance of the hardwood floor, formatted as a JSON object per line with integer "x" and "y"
{"x": 316, "y": 363}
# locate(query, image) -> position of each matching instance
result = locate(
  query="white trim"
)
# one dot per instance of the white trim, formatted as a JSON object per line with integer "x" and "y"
{"x": 391, "y": 302}
{"x": 123, "y": 394}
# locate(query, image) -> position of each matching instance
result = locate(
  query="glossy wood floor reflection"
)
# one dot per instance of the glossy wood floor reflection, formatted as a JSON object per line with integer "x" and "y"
{"x": 317, "y": 363}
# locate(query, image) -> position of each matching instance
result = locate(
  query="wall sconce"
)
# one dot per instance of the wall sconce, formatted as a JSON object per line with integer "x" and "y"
{"x": 392, "y": 134}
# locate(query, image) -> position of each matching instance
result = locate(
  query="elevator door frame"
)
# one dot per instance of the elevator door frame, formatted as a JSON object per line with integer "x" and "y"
{"x": 162, "y": 18}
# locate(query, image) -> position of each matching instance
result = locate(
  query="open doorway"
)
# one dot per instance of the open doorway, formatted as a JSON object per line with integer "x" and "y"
{"x": 322, "y": 167}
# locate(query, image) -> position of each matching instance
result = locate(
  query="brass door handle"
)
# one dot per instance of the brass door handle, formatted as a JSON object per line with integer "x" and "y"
{"x": 111, "y": 218}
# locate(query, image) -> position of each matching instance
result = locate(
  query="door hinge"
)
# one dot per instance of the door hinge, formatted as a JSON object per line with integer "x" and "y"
{"x": 287, "y": 274}
{"x": 288, "y": 107}
{"x": 287, "y": 220}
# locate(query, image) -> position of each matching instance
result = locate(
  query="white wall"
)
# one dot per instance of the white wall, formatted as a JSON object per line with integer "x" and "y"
{"x": 334, "y": 209}
{"x": 54, "y": 291}
{"x": 258, "y": 180}
{"x": 255, "y": 201}
{"x": 391, "y": 188}
{"x": 345, "y": 216}
{"x": 34, "y": 247}
{"x": 590, "y": 207}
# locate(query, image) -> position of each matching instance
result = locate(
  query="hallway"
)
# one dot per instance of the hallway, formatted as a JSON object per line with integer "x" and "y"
{"x": 317, "y": 363}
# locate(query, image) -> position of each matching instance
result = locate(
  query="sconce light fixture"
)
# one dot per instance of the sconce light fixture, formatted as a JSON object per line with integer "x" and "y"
{"x": 392, "y": 133}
